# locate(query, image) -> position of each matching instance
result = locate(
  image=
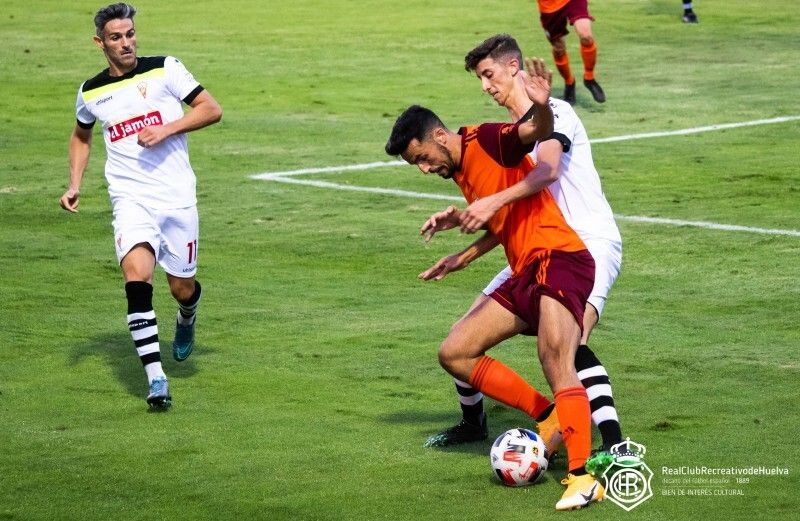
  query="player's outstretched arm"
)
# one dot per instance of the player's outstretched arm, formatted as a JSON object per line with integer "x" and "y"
{"x": 460, "y": 260}
{"x": 80, "y": 145}
{"x": 476, "y": 215}
{"x": 440, "y": 221}
{"x": 205, "y": 111}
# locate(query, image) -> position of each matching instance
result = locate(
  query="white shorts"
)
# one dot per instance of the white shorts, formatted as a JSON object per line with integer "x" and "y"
{"x": 607, "y": 262}
{"x": 172, "y": 234}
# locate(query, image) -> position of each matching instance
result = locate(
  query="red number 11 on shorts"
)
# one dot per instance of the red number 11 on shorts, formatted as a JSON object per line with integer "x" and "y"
{"x": 192, "y": 250}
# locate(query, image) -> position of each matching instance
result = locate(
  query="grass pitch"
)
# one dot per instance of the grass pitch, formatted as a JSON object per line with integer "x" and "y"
{"x": 315, "y": 382}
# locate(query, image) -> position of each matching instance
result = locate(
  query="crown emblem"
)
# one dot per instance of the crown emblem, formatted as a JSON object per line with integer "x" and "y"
{"x": 142, "y": 86}
{"x": 628, "y": 451}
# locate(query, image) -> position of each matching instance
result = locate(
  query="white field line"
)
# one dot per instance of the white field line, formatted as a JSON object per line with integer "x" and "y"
{"x": 444, "y": 197}
{"x": 629, "y": 137}
{"x": 327, "y": 169}
{"x": 286, "y": 177}
{"x": 697, "y": 130}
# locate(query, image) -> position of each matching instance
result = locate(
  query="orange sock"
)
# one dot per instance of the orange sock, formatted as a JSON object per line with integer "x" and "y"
{"x": 562, "y": 64}
{"x": 498, "y": 381}
{"x": 572, "y": 405}
{"x": 589, "y": 55}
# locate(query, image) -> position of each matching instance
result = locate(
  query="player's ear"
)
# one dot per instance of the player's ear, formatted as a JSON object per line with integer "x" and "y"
{"x": 99, "y": 42}
{"x": 440, "y": 135}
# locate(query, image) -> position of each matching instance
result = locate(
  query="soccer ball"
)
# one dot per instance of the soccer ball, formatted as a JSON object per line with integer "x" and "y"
{"x": 519, "y": 457}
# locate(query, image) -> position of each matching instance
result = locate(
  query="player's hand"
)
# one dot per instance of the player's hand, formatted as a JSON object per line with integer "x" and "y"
{"x": 440, "y": 221}
{"x": 151, "y": 136}
{"x": 537, "y": 80}
{"x": 70, "y": 200}
{"x": 476, "y": 215}
{"x": 442, "y": 267}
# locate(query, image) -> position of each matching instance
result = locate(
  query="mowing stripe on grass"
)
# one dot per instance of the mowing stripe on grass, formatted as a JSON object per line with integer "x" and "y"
{"x": 629, "y": 137}
{"x": 287, "y": 177}
{"x": 630, "y": 218}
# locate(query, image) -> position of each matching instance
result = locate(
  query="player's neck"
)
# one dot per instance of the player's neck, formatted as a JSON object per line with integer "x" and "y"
{"x": 115, "y": 70}
{"x": 518, "y": 104}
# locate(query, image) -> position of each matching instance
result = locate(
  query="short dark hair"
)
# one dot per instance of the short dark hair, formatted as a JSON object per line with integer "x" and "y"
{"x": 120, "y": 11}
{"x": 498, "y": 46}
{"x": 415, "y": 122}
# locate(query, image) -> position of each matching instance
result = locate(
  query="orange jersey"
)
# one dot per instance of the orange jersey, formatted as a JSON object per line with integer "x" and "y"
{"x": 493, "y": 159}
{"x": 551, "y": 6}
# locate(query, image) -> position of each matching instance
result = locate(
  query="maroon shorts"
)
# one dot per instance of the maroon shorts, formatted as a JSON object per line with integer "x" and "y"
{"x": 555, "y": 23}
{"x": 566, "y": 277}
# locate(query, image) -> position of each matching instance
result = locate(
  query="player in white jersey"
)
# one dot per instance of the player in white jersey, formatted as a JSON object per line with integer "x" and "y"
{"x": 565, "y": 167}
{"x": 138, "y": 101}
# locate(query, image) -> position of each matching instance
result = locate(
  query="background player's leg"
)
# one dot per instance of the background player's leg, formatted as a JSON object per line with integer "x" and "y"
{"x": 689, "y": 17}
{"x": 561, "y": 59}
{"x": 583, "y": 26}
{"x": 137, "y": 268}
{"x": 187, "y": 292}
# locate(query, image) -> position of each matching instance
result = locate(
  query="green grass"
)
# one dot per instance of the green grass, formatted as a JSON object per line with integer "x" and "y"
{"x": 315, "y": 380}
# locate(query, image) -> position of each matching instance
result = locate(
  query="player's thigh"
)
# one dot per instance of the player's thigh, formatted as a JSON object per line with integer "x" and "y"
{"x": 480, "y": 329}
{"x": 583, "y": 27}
{"x": 135, "y": 239}
{"x": 179, "y": 243}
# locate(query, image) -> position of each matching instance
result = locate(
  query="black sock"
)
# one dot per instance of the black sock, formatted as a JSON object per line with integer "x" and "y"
{"x": 471, "y": 401}
{"x": 143, "y": 326}
{"x": 188, "y": 309}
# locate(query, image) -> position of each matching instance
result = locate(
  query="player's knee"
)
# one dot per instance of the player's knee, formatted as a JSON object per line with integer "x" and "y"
{"x": 587, "y": 41}
{"x": 451, "y": 356}
{"x": 446, "y": 356}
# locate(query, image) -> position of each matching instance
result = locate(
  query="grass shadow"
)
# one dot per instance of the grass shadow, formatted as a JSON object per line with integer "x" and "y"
{"x": 116, "y": 349}
{"x": 500, "y": 419}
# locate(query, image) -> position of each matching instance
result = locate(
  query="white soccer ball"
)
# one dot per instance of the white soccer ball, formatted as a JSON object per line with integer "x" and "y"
{"x": 519, "y": 457}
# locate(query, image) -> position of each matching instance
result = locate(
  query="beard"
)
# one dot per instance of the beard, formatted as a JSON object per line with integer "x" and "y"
{"x": 449, "y": 163}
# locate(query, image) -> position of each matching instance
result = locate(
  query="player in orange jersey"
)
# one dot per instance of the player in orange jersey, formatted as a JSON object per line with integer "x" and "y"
{"x": 554, "y": 15}
{"x": 553, "y": 272}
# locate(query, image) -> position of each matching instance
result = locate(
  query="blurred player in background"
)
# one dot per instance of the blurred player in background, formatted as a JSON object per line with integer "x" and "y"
{"x": 554, "y": 15}
{"x": 553, "y": 272}
{"x": 138, "y": 102}
{"x": 564, "y": 165}
{"x": 689, "y": 17}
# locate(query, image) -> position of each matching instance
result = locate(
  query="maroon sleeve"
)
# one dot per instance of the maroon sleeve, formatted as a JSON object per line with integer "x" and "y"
{"x": 501, "y": 141}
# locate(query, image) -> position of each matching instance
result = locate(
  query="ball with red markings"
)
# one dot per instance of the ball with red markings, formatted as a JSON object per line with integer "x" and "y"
{"x": 519, "y": 457}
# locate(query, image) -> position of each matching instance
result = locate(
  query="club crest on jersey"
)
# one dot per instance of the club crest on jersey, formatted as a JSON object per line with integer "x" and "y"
{"x": 133, "y": 126}
{"x": 142, "y": 86}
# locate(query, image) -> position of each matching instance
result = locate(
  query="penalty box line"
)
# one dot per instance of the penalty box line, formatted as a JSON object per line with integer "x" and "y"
{"x": 288, "y": 177}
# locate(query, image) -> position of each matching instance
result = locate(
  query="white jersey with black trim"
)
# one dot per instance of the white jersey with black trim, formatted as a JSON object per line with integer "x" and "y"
{"x": 159, "y": 177}
{"x": 577, "y": 190}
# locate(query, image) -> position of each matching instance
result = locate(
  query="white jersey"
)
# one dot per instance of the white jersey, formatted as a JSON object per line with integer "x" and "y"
{"x": 159, "y": 177}
{"x": 577, "y": 190}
